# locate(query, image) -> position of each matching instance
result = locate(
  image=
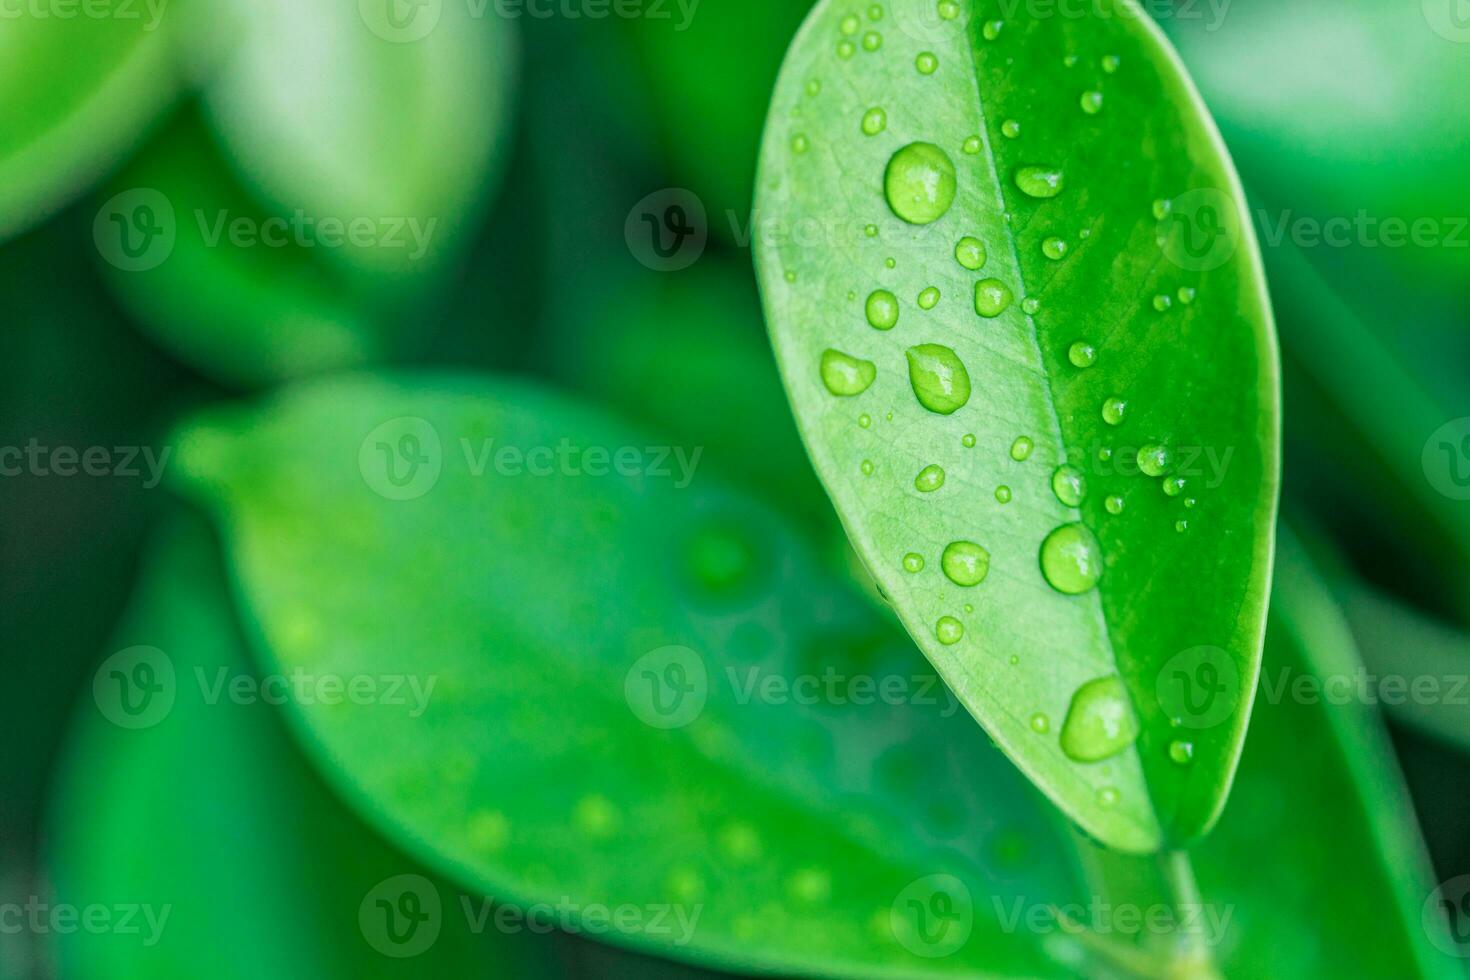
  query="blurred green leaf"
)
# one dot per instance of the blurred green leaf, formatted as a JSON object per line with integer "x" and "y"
{"x": 78, "y": 92}
{"x": 206, "y": 817}
{"x": 939, "y": 347}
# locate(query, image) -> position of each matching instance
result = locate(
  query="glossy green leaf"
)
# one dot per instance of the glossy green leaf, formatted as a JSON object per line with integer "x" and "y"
{"x": 1028, "y": 244}
{"x": 379, "y": 113}
{"x": 230, "y": 286}
{"x": 599, "y": 646}
{"x": 202, "y": 790}
{"x": 78, "y": 93}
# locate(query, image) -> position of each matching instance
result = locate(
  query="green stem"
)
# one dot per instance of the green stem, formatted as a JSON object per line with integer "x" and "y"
{"x": 1192, "y": 958}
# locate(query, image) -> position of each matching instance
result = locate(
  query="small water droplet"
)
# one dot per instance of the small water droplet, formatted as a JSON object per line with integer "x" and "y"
{"x": 1161, "y": 209}
{"x": 1110, "y": 63}
{"x": 1030, "y": 305}
{"x": 919, "y": 183}
{"x": 800, "y": 144}
{"x": 949, "y": 630}
{"x": 881, "y": 309}
{"x": 969, "y": 252}
{"x": 1162, "y": 303}
{"x": 971, "y": 145}
{"x": 1104, "y": 453}
{"x": 1040, "y": 723}
{"x": 1054, "y": 248}
{"x": 1071, "y": 559}
{"x": 930, "y": 478}
{"x": 1154, "y": 459}
{"x": 926, "y": 63}
{"x": 939, "y": 378}
{"x": 1021, "y": 448}
{"x": 1181, "y": 526}
{"x": 1114, "y": 504}
{"x": 1107, "y": 796}
{"x": 928, "y": 298}
{"x": 890, "y": 262}
{"x": 968, "y": 441}
{"x": 992, "y": 29}
{"x": 1003, "y": 494}
{"x": 965, "y": 563}
{"x": 992, "y": 298}
{"x": 913, "y": 562}
{"x": 1181, "y": 752}
{"x": 865, "y": 421}
{"x": 1114, "y": 410}
{"x": 1186, "y": 294}
{"x": 1190, "y": 501}
{"x": 845, "y": 49}
{"x": 1069, "y": 485}
{"x": 790, "y": 276}
{"x": 875, "y": 120}
{"x": 875, "y": 12}
{"x": 1092, "y": 102}
{"x": 1010, "y": 129}
{"x": 813, "y": 87}
{"x": 1040, "y": 182}
{"x": 1100, "y": 721}
{"x": 867, "y": 467}
{"x": 845, "y": 375}
{"x": 872, "y": 41}
{"x": 1174, "y": 486}
{"x": 870, "y": 230}
{"x": 1070, "y": 61}
{"x": 949, "y": 9}
{"x": 1082, "y": 354}
{"x": 849, "y": 24}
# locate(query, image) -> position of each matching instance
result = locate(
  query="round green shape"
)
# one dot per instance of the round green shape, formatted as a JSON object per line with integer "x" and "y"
{"x": 928, "y": 298}
{"x": 913, "y": 562}
{"x": 949, "y": 630}
{"x": 1069, "y": 485}
{"x": 926, "y": 63}
{"x": 938, "y": 377}
{"x": 965, "y": 563}
{"x": 969, "y": 252}
{"x": 875, "y": 120}
{"x": 1021, "y": 448}
{"x": 1071, "y": 559}
{"x": 992, "y": 298}
{"x": 1092, "y": 103}
{"x": 845, "y": 375}
{"x": 1154, "y": 460}
{"x": 1082, "y": 354}
{"x": 1100, "y": 721}
{"x": 919, "y": 183}
{"x": 1010, "y": 129}
{"x": 1181, "y": 752}
{"x": 1054, "y": 248}
{"x": 1114, "y": 504}
{"x": 1040, "y": 182}
{"x": 1003, "y": 494}
{"x": 930, "y": 478}
{"x": 1114, "y": 411}
{"x": 872, "y": 41}
{"x": 882, "y": 309}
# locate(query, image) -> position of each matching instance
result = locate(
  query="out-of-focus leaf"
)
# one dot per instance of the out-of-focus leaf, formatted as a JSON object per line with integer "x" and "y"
{"x": 240, "y": 292}
{"x": 390, "y": 115}
{"x": 202, "y": 817}
{"x": 78, "y": 92}
{"x": 1023, "y": 325}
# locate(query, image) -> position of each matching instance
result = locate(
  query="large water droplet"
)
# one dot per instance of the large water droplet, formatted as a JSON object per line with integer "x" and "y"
{"x": 1082, "y": 354}
{"x": 1040, "y": 182}
{"x": 949, "y": 630}
{"x": 1100, "y": 721}
{"x": 919, "y": 183}
{"x": 1069, "y": 485}
{"x": 1071, "y": 559}
{"x": 965, "y": 563}
{"x": 930, "y": 478}
{"x": 992, "y": 298}
{"x": 882, "y": 309}
{"x": 939, "y": 378}
{"x": 846, "y": 375}
{"x": 1154, "y": 460}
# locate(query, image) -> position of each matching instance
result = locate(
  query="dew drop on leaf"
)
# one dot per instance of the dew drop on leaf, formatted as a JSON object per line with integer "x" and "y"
{"x": 1174, "y": 486}
{"x": 1021, "y": 448}
{"x": 1082, "y": 354}
{"x": 1069, "y": 485}
{"x": 1154, "y": 459}
{"x": 849, "y": 24}
{"x": 965, "y": 563}
{"x": 882, "y": 309}
{"x": 1092, "y": 103}
{"x": 845, "y": 375}
{"x": 913, "y": 562}
{"x": 928, "y": 298}
{"x": 800, "y": 144}
{"x": 1030, "y": 305}
{"x": 1054, "y": 248}
{"x": 1071, "y": 559}
{"x": 926, "y": 63}
{"x": 1161, "y": 209}
{"x": 992, "y": 29}
{"x": 930, "y": 478}
{"x": 1181, "y": 752}
{"x": 875, "y": 120}
{"x": 992, "y": 298}
{"x": 1114, "y": 504}
{"x": 1114, "y": 410}
{"x": 1110, "y": 63}
{"x": 1186, "y": 294}
{"x": 919, "y": 183}
{"x": 1003, "y": 494}
{"x": 1040, "y": 182}
{"x": 1162, "y": 303}
{"x": 939, "y": 378}
{"x": 1040, "y": 723}
{"x": 1010, "y": 129}
{"x": 872, "y": 41}
{"x": 971, "y": 145}
{"x": 969, "y": 252}
{"x": 949, "y": 630}
{"x": 1100, "y": 721}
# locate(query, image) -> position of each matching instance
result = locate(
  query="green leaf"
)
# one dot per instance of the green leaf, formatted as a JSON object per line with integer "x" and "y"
{"x": 78, "y": 92}
{"x": 249, "y": 307}
{"x": 1026, "y": 270}
{"x": 350, "y": 114}
{"x": 778, "y": 832}
{"x": 210, "y": 790}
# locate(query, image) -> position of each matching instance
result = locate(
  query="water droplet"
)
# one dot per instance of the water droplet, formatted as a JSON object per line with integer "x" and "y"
{"x": 800, "y": 144}
{"x": 913, "y": 562}
{"x": 867, "y": 467}
{"x": 965, "y": 563}
{"x": 813, "y": 87}
{"x": 1162, "y": 303}
{"x": 1181, "y": 526}
{"x": 1082, "y": 354}
{"x": 1030, "y": 305}
{"x": 1161, "y": 209}
{"x": 890, "y": 262}
{"x": 870, "y": 230}
{"x": 992, "y": 298}
{"x": 1154, "y": 459}
{"x": 1107, "y": 796}
{"x": 875, "y": 120}
{"x": 1114, "y": 410}
{"x": 790, "y": 276}
{"x": 846, "y": 375}
{"x": 1071, "y": 559}
{"x": 926, "y": 63}
{"x": 1010, "y": 129}
{"x": 919, "y": 183}
{"x": 1181, "y": 752}
{"x": 849, "y": 24}
{"x": 930, "y": 478}
{"x": 1092, "y": 103}
{"x": 969, "y": 252}
{"x": 1070, "y": 61}
{"x": 1040, "y": 182}
{"x": 882, "y": 309}
{"x": 1190, "y": 501}
{"x": 939, "y": 378}
{"x": 949, "y": 9}
{"x": 949, "y": 630}
{"x": 596, "y": 816}
{"x": 1174, "y": 486}
{"x": 872, "y": 41}
{"x": 1003, "y": 494}
{"x": 1110, "y": 63}
{"x": 1069, "y": 485}
{"x": 845, "y": 49}
{"x": 968, "y": 441}
{"x": 1040, "y": 723}
{"x": 992, "y": 29}
{"x": 1114, "y": 504}
{"x": 928, "y": 298}
{"x": 865, "y": 421}
{"x": 1054, "y": 248}
{"x": 1100, "y": 721}
{"x": 1021, "y": 448}
{"x": 875, "y": 12}
{"x": 1186, "y": 294}
{"x": 971, "y": 145}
